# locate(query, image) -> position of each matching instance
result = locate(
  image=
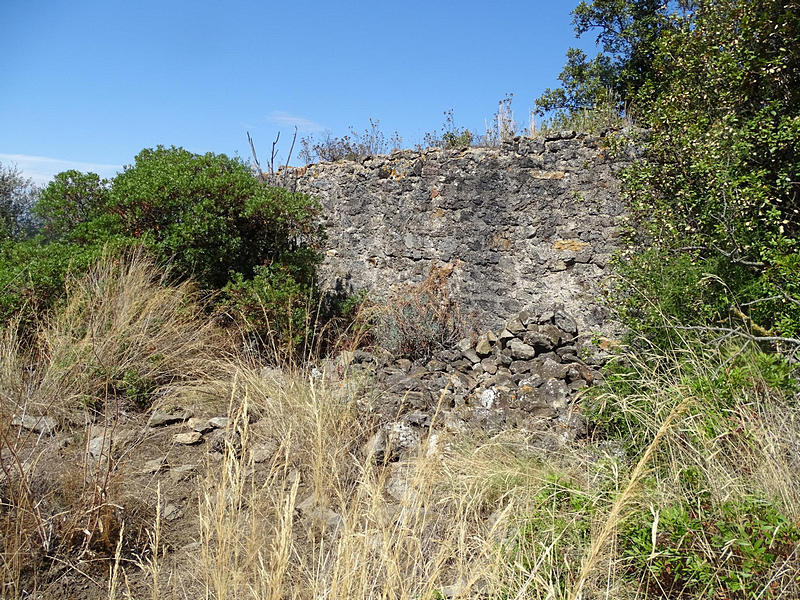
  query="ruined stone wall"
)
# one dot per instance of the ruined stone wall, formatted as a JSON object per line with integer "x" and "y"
{"x": 530, "y": 225}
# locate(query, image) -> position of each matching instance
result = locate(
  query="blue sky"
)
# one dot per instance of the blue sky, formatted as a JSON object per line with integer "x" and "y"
{"x": 87, "y": 84}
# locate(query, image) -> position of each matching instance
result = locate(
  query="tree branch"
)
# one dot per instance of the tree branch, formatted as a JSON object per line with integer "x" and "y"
{"x": 752, "y": 338}
{"x": 255, "y": 156}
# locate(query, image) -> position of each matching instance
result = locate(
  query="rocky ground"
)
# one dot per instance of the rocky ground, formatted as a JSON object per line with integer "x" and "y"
{"x": 524, "y": 378}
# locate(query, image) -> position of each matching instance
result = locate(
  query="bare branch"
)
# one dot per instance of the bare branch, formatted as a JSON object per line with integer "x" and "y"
{"x": 790, "y": 298}
{"x": 752, "y": 338}
{"x": 255, "y": 156}
{"x": 272, "y": 156}
{"x": 760, "y": 300}
{"x": 289, "y": 156}
{"x": 729, "y": 255}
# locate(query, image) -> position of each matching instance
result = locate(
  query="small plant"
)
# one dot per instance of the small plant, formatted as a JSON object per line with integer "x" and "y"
{"x": 502, "y": 128}
{"x": 604, "y": 116}
{"x": 737, "y": 550}
{"x": 352, "y": 146}
{"x": 420, "y": 320}
{"x": 554, "y": 534}
{"x": 452, "y": 137}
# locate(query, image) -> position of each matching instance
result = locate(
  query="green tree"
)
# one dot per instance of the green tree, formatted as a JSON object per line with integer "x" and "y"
{"x": 627, "y": 33}
{"x": 210, "y": 217}
{"x": 74, "y": 208}
{"x": 17, "y": 195}
{"x": 717, "y": 196}
{"x": 206, "y": 215}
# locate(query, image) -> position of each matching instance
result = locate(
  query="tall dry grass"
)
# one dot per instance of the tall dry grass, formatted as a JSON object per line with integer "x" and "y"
{"x": 326, "y": 519}
{"x": 299, "y": 505}
{"x": 122, "y": 339}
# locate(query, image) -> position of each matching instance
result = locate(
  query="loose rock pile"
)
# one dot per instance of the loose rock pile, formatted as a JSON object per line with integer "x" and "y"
{"x": 525, "y": 376}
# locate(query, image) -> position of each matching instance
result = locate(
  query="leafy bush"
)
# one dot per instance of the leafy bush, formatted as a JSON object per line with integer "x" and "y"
{"x": 207, "y": 216}
{"x": 725, "y": 383}
{"x": 210, "y": 217}
{"x": 32, "y": 276}
{"x": 276, "y": 308}
{"x": 717, "y": 192}
{"x": 714, "y": 203}
{"x": 738, "y": 550}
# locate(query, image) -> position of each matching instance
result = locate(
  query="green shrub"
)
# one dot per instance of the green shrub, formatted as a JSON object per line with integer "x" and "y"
{"x": 33, "y": 275}
{"x": 717, "y": 192}
{"x": 637, "y": 394}
{"x": 74, "y": 208}
{"x": 276, "y": 307}
{"x": 206, "y": 216}
{"x": 737, "y": 550}
{"x": 210, "y": 217}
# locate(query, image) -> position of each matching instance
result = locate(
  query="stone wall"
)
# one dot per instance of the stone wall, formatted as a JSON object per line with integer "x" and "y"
{"x": 530, "y": 225}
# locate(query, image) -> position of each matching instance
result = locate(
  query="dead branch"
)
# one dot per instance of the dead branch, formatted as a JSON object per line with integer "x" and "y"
{"x": 255, "y": 156}
{"x": 737, "y": 332}
{"x": 272, "y": 155}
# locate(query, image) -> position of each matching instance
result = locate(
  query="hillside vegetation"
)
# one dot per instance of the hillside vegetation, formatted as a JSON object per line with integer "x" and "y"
{"x": 185, "y": 287}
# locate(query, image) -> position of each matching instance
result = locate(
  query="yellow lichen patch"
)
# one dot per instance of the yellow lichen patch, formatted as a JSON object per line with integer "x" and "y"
{"x": 438, "y": 213}
{"x": 572, "y": 245}
{"x": 434, "y": 193}
{"x": 500, "y": 242}
{"x": 547, "y": 174}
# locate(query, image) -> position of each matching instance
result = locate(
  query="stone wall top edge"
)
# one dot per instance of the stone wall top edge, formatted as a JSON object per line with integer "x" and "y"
{"x": 518, "y": 145}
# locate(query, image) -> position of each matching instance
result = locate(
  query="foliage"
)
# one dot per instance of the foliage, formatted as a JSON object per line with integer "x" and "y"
{"x": 17, "y": 196}
{"x": 555, "y": 531}
{"x": 735, "y": 550}
{"x": 628, "y": 31}
{"x": 74, "y": 208}
{"x": 353, "y": 146}
{"x": 717, "y": 512}
{"x": 206, "y": 216}
{"x": 32, "y": 276}
{"x": 210, "y": 217}
{"x": 629, "y": 405}
{"x": 717, "y": 194}
{"x": 451, "y": 137}
{"x": 276, "y": 306}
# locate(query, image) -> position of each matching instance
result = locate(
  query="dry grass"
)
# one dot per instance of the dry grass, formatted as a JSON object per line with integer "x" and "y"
{"x": 323, "y": 519}
{"x": 122, "y": 333}
{"x": 122, "y": 339}
{"x": 298, "y": 505}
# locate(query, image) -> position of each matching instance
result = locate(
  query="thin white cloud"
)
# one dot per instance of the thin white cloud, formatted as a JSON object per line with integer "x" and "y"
{"x": 285, "y": 119}
{"x": 41, "y": 169}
